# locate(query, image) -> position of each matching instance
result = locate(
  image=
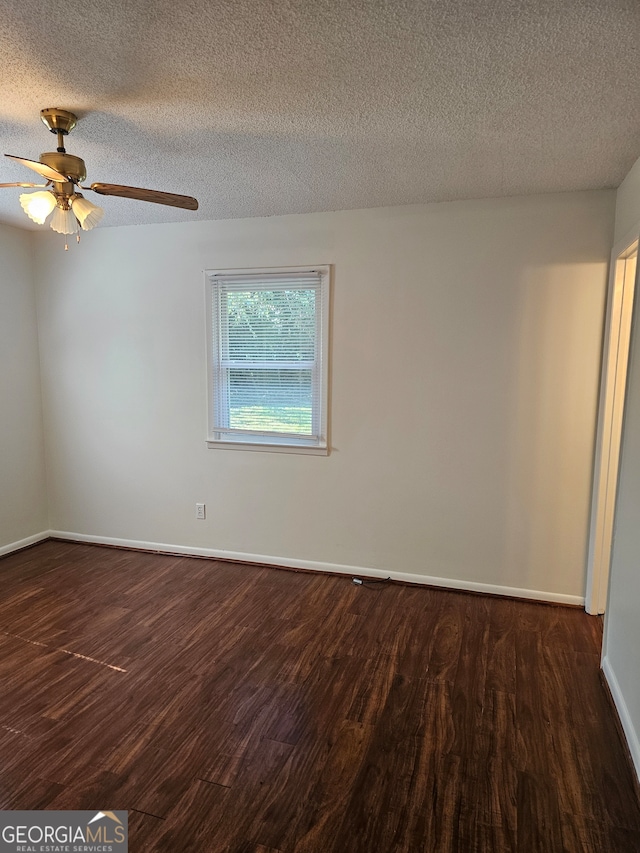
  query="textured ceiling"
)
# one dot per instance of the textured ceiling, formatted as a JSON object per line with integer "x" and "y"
{"x": 261, "y": 107}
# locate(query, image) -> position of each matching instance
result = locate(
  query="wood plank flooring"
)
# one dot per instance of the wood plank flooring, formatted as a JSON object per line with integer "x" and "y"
{"x": 241, "y": 709}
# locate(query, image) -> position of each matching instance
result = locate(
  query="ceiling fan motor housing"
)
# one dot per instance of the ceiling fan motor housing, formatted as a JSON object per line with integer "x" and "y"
{"x": 68, "y": 164}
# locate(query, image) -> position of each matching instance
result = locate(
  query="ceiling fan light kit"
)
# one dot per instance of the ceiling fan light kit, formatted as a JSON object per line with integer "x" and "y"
{"x": 63, "y": 221}
{"x": 87, "y": 213}
{"x": 64, "y": 173}
{"x": 38, "y": 205}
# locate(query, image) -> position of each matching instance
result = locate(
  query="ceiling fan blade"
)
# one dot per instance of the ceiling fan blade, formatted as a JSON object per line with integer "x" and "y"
{"x": 23, "y": 185}
{"x": 46, "y": 171}
{"x": 173, "y": 200}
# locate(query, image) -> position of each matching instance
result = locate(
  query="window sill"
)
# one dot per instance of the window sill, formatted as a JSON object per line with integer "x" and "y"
{"x": 269, "y": 448}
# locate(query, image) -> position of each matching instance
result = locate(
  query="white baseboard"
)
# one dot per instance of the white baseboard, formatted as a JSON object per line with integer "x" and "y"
{"x": 333, "y": 568}
{"x": 24, "y": 543}
{"x": 633, "y": 740}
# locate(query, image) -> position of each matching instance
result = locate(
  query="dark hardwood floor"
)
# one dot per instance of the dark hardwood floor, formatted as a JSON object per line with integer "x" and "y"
{"x": 240, "y": 709}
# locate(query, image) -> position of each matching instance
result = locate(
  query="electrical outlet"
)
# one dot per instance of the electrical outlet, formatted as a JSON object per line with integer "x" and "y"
{"x": 200, "y": 511}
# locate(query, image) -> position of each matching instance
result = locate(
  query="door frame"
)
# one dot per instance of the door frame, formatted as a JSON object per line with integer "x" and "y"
{"x": 623, "y": 276}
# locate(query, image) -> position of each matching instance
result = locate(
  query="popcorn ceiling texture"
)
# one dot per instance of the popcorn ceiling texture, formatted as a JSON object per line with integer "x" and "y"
{"x": 260, "y": 108}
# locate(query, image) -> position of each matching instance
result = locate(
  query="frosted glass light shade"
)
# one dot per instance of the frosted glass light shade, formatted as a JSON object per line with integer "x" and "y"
{"x": 38, "y": 205}
{"x": 88, "y": 214}
{"x": 64, "y": 222}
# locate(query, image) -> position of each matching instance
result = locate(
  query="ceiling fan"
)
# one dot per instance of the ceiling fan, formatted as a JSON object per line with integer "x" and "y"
{"x": 64, "y": 174}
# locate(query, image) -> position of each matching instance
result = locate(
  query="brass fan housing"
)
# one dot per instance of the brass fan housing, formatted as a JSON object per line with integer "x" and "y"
{"x": 63, "y": 193}
{"x": 59, "y": 121}
{"x": 68, "y": 164}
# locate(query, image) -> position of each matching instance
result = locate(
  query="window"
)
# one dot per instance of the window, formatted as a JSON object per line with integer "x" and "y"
{"x": 268, "y": 341}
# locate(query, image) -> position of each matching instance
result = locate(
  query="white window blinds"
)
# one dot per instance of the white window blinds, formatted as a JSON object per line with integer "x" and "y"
{"x": 267, "y": 381}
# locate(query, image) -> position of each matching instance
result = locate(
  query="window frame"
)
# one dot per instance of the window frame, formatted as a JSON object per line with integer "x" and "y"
{"x": 236, "y": 439}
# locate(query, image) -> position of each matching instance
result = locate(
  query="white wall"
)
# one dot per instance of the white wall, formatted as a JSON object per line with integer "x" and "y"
{"x": 621, "y": 662}
{"x": 466, "y": 350}
{"x": 23, "y": 500}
